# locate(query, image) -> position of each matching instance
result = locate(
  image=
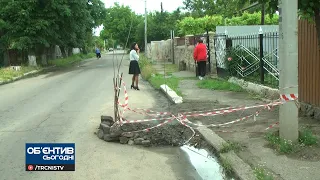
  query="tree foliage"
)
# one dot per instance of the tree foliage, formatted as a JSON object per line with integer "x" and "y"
{"x": 190, "y": 25}
{"x": 309, "y": 9}
{"x": 225, "y": 8}
{"x": 117, "y": 23}
{"x": 31, "y": 25}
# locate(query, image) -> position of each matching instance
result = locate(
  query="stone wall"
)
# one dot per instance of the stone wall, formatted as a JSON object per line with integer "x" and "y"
{"x": 183, "y": 52}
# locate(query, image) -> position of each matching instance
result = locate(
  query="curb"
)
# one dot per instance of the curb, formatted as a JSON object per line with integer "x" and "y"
{"x": 241, "y": 169}
{"x": 24, "y": 75}
{"x": 171, "y": 94}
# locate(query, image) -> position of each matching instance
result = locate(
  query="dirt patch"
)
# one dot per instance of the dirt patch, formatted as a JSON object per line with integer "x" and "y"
{"x": 250, "y": 132}
{"x": 173, "y": 133}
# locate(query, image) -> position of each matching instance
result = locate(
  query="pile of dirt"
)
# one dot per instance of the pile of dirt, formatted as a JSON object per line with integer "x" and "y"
{"x": 173, "y": 134}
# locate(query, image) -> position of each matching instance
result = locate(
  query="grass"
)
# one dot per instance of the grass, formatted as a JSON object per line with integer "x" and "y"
{"x": 261, "y": 174}
{"x": 66, "y": 62}
{"x": 173, "y": 82}
{"x": 170, "y": 68}
{"x": 306, "y": 138}
{"x": 219, "y": 84}
{"x": 230, "y": 146}
{"x": 7, "y": 74}
{"x": 156, "y": 80}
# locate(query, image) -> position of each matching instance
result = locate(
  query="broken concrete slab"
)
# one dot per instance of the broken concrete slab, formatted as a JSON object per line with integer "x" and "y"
{"x": 171, "y": 94}
{"x": 100, "y": 134}
{"x": 105, "y": 127}
{"x": 123, "y": 140}
{"x": 107, "y": 119}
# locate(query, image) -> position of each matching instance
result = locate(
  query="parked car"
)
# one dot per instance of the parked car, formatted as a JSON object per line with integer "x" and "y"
{"x": 110, "y": 49}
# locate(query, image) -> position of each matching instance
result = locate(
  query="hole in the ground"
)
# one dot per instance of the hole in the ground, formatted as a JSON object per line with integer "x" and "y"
{"x": 198, "y": 151}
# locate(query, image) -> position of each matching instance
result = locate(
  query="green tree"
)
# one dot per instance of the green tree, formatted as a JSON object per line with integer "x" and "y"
{"x": 225, "y": 8}
{"x": 35, "y": 25}
{"x": 117, "y": 23}
{"x": 309, "y": 9}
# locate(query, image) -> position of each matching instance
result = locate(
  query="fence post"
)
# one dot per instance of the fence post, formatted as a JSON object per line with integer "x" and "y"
{"x": 261, "y": 56}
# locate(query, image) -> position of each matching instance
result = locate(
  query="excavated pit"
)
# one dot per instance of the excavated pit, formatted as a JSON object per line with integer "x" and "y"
{"x": 173, "y": 133}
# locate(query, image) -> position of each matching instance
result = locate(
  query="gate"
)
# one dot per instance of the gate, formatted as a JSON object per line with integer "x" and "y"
{"x": 220, "y": 46}
{"x": 206, "y": 41}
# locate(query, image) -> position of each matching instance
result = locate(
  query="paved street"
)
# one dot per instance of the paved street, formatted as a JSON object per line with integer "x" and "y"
{"x": 65, "y": 106}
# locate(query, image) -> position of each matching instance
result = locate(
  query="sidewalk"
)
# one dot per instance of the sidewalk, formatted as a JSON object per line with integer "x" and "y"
{"x": 247, "y": 137}
{"x": 249, "y": 134}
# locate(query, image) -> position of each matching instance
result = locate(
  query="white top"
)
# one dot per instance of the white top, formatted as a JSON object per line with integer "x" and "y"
{"x": 134, "y": 55}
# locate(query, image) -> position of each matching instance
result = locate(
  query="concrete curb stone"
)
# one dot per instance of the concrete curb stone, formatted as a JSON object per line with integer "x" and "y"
{"x": 171, "y": 94}
{"x": 241, "y": 169}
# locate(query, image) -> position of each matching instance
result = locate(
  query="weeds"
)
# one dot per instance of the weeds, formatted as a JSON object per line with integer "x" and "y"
{"x": 229, "y": 146}
{"x": 219, "y": 84}
{"x": 226, "y": 165}
{"x": 284, "y": 146}
{"x": 281, "y": 145}
{"x": 261, "y": 174}
{"x": 65, "y": 62}
{"x": 7, "y": 74}
{"x": 307, "y": 138}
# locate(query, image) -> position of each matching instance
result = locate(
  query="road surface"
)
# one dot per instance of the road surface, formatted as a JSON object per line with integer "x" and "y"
{"x": 65, "y": 107}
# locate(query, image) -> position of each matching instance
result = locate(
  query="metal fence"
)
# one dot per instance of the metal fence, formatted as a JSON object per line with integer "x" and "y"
{"x": 250, "y": 57}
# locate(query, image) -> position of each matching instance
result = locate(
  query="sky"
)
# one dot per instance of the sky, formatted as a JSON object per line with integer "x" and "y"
{"x": 138, "y": 6}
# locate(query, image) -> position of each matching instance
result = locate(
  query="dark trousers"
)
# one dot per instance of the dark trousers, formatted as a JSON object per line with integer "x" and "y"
{"x": 98, "y": 55}
{"x": 202, "y": 68}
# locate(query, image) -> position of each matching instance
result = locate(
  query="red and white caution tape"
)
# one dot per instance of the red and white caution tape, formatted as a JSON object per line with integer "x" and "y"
{"x": 288, "y": 97}
{"x": 143, "y": 120}
{"x": 186, "y": 125}
{"x": 272, "y": 125}
{"x": 226, "y": 111}
{"x": 148, "y": 129}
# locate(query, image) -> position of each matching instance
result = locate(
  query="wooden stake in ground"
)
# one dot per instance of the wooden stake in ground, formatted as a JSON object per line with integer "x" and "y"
{"x": 115, "y": 99}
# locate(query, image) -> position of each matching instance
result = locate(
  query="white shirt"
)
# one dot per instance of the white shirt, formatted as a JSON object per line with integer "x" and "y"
{"x": 134, "y": 55}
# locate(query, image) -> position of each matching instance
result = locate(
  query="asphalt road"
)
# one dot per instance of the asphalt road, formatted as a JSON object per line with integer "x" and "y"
{"x": 65, "y": 107}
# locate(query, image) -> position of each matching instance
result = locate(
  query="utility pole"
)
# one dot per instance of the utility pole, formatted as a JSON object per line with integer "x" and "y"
{"x": 288, "y": 42}
{"x": 145, "y": 26}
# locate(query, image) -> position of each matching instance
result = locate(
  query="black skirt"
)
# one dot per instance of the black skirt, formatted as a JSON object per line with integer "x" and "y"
{"x": 134, "y": 67}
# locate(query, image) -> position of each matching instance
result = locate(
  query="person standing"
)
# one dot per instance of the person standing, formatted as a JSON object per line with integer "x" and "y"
{"x": 200, "y": 57}
{"x": 134, "y": 68}
{"x": 98, "y": 54}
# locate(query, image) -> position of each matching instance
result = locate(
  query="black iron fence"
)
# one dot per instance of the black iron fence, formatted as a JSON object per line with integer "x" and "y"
{"x": 253, "y": 58}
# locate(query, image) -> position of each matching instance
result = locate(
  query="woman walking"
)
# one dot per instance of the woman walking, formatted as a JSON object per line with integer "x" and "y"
{"x": 134, "y": 68}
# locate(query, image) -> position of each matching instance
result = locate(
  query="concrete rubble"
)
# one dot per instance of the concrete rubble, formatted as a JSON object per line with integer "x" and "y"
{"x": 173, "y": 134}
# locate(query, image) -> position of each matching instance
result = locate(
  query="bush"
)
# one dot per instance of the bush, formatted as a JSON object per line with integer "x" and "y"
{"x": 233, "y": 63}
{"x": 147, "y": 71}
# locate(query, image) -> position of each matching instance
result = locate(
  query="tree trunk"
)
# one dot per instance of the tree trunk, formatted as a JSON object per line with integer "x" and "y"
{"x": 317, "y": 19}
{"x": 44, "y": 57}
{"x": 70, "y": 51}
{"x": 64, "y": 51}
{"x": 32, "y": 59}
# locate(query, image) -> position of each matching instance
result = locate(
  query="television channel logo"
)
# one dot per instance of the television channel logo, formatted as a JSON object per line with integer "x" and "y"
{"x": 50, "y": 157}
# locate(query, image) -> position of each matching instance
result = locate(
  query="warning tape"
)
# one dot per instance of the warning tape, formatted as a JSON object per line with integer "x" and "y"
{"x": 182, "y": 117}
{"x": 148, "y": 129}
{"x": 289, "y": 97}
{"x": 271, "y": 126}
{"x": 142, "y": 120}
{"x": 226, "y": 111}
{"x": 184, "y": 124}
